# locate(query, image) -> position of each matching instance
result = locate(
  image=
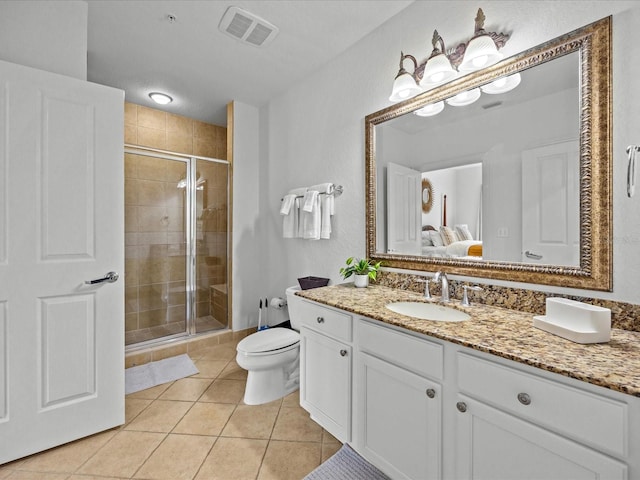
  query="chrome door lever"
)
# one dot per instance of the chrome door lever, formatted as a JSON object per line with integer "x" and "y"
{"x": 110, "y": 277}
{"x": 535, "y": 256}
{"x": 631, "y": 169}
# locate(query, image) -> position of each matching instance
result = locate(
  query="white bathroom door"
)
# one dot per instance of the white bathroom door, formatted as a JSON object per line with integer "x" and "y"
{"x": 550, "y": 205}
{"x": 61, "y": 223}
{"x": 404, "y": 210}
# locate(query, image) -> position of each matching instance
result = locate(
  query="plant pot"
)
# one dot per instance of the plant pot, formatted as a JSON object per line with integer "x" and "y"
{"x": 361, "y": 281}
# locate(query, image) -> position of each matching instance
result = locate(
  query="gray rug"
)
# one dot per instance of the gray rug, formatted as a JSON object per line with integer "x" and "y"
{"x": 346, "y": 464}
{"x": 155, "y": 373}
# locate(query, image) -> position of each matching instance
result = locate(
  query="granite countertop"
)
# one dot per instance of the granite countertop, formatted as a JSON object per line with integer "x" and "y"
{"x": 506, "y": 333}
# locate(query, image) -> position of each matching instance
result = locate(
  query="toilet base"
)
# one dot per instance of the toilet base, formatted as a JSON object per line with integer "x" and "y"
{"x": 264, "y": 386}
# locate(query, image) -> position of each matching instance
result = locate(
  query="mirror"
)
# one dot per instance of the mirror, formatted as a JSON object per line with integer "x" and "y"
{"x": 521, "y": 180}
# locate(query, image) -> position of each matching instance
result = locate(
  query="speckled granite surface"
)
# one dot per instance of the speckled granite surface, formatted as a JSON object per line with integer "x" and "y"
{"x": 506, "y": 333}
{"x": 625, "y": 316}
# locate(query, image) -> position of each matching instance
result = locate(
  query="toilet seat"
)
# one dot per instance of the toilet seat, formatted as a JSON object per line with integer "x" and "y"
{"x": 268, "y": 341}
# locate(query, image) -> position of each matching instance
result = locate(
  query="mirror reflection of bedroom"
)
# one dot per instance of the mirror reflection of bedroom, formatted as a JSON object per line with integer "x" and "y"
{"x": 437, "y": 213}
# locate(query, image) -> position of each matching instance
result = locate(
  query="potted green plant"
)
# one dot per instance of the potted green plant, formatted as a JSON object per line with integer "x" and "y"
{"x": 362, "y": 269}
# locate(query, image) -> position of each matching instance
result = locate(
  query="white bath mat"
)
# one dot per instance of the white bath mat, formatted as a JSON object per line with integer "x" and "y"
{"x": 155, "y": 373}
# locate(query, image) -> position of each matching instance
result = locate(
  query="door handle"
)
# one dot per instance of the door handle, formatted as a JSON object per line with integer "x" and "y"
{"x": 110, "y": 277}
{"x": 530, "y": 254}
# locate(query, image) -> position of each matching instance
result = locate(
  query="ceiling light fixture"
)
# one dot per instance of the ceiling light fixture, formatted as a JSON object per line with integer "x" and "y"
{"x": 441, "y": 66}
{"x": 160, "y": 98}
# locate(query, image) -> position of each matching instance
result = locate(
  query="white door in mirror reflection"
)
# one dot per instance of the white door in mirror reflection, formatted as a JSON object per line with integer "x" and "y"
{"x": 404, "y": 206}
{"x": 550, "y": 205}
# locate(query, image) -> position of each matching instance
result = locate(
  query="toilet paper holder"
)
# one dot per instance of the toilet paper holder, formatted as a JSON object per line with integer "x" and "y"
{"x": 278, "y": 303}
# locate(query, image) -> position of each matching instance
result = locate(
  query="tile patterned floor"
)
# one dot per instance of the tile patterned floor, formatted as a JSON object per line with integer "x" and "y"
{"x": 196, "y": 428}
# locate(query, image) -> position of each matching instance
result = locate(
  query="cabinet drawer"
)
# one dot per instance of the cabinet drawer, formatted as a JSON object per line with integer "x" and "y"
{"x": 326, "y": 320}
{"x": 585, "y": 416}
{"x": 418, "y": 355}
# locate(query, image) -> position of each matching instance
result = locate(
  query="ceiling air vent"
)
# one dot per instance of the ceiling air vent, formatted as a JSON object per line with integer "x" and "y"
{"x": 247, "y": 27}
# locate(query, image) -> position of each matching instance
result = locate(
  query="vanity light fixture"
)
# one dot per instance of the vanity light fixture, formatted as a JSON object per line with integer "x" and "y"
{"x": 464, "y": 98}
{"x": 430, "y": 110}
{"x": 441, "y": 66}
{"x": 438, "y": 68}
{"x": 481, "y": 51}
{"x": 160, "y": 98}
{"x": 405, "y": 85}
{"x": 502, "y": 85}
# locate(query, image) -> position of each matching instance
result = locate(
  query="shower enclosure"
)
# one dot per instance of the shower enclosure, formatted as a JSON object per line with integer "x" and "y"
{"x": 176, "y": 255}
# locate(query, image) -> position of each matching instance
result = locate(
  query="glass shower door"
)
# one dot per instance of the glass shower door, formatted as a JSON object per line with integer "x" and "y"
{"x": 155, "y": 253}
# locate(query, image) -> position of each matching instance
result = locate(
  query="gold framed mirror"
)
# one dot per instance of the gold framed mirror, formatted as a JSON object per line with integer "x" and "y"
{"x": 587, "y": 52}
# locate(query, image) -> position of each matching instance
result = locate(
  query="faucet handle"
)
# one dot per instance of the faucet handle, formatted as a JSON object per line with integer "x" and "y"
{"x": 465, "y": 296}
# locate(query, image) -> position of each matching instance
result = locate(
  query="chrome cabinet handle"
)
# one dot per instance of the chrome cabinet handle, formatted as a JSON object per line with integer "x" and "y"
{"x": 461, "y": 406}
{"x": 110, "y": 277}
{"x": 320, "y": 320}
{"x": 530, "y": 254}
{"x": 431, "y": 393}
{"x": 524, "y": 398}
{"x": 343, "y": 353}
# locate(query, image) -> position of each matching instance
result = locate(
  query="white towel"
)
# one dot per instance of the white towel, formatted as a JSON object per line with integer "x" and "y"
{"x": 287, "y": 202}
{"x": 323, "y": 187}
{"x": 311, "y": 220}
{"x": 291, "y": 222}
{"x": 310, "y": 200}
{"x": 327, "y": 210}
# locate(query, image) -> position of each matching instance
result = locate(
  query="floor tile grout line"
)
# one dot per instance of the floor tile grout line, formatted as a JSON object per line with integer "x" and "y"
{"x": 150, "y": 454}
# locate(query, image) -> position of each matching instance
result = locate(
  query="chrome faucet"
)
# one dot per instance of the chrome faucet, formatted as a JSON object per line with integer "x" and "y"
{"x": 442, "y": 278}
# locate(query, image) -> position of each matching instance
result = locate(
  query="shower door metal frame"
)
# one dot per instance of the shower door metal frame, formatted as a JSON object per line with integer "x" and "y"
{"x": 190, "y": 238}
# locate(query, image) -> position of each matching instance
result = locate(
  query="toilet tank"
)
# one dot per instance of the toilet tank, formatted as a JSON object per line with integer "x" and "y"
{"x": 294, "y": 305}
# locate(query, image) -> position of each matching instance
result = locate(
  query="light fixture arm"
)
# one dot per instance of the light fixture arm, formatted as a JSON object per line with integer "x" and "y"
{"x": 403, "y": 57}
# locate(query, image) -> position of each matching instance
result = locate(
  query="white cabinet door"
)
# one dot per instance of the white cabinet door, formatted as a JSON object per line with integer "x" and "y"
{"x": 61, "y": 223}
{"x": 399, "y": 420}
{"x": 325, "y": 382}
{"x": 493, "y": 445}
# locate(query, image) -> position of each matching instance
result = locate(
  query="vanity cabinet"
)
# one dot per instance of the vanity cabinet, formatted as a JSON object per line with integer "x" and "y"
{"x": 398, "y": 402}
{"x": 511, "y": 425}
{"x": 326, "y": 368}
{"x": 425, "y": 408}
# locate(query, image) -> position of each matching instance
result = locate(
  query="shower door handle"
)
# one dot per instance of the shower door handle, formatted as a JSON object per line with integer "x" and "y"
{"x": 110, "y": 277}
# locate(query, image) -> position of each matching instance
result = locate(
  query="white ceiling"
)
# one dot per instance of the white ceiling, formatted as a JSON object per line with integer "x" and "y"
{"x": 133, "y": 46}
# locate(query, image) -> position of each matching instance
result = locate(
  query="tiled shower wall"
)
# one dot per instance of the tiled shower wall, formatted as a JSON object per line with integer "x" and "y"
{"x": 155, "y": 257}
{"x": 148, "y": 127}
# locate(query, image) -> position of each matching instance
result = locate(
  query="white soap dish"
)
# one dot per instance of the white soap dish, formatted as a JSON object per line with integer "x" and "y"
{"x": 575, "y": 321}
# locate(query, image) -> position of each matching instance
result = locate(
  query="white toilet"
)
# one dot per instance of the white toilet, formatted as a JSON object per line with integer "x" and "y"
{"x": 272, "y": 358}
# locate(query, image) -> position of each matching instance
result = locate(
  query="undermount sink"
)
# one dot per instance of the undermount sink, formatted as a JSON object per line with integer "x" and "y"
{"x": 428, "y": 311}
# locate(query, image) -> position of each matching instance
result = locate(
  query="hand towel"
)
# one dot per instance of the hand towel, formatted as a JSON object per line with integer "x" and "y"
{"x": 291, "y": 222}
{"x": 312, "y": 220}
{"x": 310, "y": 200}
{"x": 287, "y": 202}
{"x": 327, "y": 206}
